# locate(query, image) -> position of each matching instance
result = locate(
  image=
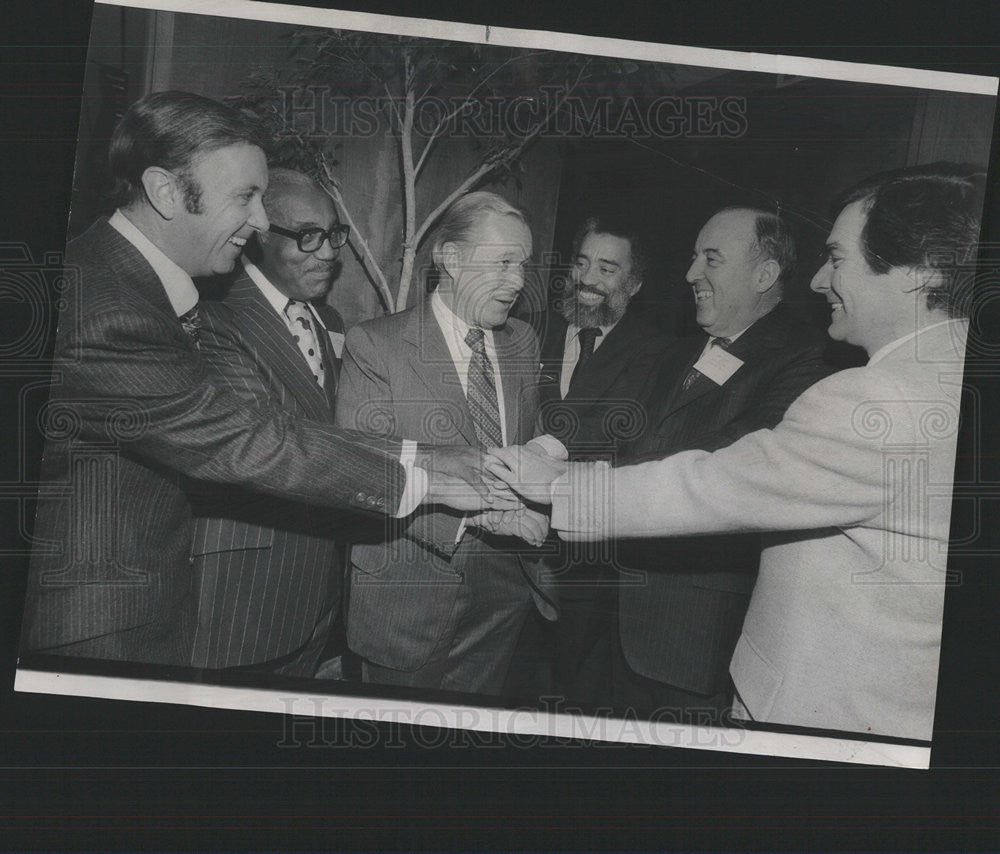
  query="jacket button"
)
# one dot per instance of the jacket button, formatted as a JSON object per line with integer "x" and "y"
{"x": 381, "y": 502}
{"x": 360, "y": 498}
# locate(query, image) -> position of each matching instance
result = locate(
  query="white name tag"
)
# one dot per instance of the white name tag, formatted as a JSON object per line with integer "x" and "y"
{"x": 718, "y": 365}
{"x": 337, "y": 342}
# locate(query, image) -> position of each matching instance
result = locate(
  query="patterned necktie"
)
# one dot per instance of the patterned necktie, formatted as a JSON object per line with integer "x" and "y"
{"x": 482, "y": 393}
{"x": 694, "y": 373}
{"x": 300, "y": 324}
{"x": 191, "y": 321}
{"x": 588, "y": 338}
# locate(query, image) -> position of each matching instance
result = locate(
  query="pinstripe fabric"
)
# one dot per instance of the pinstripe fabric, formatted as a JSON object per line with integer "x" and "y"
{"x": 131, "y": 411}
{"x": 265, "y": 570}
{"x": 398, "y": 376}
{"x": 681, "y": 626}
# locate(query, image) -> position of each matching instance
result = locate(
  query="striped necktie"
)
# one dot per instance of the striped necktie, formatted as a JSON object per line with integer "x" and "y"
{"x": 482, "y": 393}
{"x": 191, "y": 321}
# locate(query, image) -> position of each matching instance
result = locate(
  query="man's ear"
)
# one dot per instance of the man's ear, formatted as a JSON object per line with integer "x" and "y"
{"x": 768, "y": 273}
{"x": 447, "y": 259}
{"x": 162, "y": 190}
{"x": 925, "y": 278}
{"x": 633, "y": 286}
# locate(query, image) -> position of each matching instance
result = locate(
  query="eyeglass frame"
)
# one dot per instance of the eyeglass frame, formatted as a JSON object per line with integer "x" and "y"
{"x": 327, "y": 234}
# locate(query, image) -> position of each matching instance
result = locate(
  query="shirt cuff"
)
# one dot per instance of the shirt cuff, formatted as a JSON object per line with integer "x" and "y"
{"x": 551, "y": 446}
{"x": 581, "y": 499}
{"x": 417, "y": 480}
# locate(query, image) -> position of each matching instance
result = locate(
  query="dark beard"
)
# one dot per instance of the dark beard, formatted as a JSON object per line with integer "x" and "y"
{"x": 603, "y": 314}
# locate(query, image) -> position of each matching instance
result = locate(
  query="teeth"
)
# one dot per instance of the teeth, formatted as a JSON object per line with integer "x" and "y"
{"x": 836, "y": 306}
{"x": 238, "y": 241}
{"x": 699, "y": 296}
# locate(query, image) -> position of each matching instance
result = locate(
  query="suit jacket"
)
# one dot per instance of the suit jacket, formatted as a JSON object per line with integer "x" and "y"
{"x": 398, "y": 378}
{"x": 602, "y": 408}
{"x": 132, "y": 410}
{"x": 681, "y": 624}
{"x": 843, "y": 631}
{"x": 265, "y": 570}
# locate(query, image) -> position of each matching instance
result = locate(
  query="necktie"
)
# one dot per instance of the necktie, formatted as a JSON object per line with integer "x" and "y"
{"x": 191, "y": 321}
{"x": 300, "y": 324}
{"x": 482, "y": 393}
{"x": 694, "y": 373}
{"x": 588, "y": 338}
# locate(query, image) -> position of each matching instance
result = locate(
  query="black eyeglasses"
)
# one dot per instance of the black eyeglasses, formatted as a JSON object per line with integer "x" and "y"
{"x": 310, "y": 239}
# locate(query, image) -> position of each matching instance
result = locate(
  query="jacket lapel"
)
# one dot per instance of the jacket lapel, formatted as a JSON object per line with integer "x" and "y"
{"x": 270, "y": 336}
{"x": 767, "y": 333}
{"x": 433, "y": 368}
{"x": 607, "y": 363}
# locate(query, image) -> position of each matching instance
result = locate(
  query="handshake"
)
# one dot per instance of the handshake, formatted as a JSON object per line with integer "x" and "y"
{"x": 498, "y": 486}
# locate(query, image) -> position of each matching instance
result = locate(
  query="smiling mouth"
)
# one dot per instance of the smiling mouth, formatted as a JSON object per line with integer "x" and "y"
{"x": 701, "y": 296}
{"x": 836, "y": 306}
{"x": 237, "y": 241}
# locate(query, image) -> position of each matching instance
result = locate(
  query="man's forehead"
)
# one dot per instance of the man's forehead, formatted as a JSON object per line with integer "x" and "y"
{"x": 303, "y": 205}
{"x": 608, "y": 246}
{"x": 728, "y": 228}
{"x": 848, "y": 225}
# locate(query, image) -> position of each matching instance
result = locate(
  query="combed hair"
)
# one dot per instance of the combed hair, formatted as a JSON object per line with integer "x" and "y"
{"x": 924, "y": 217}
{"x": 773, "y": 240}
{"x": 169, "y": 130}
{"x": 460, "y": 219}
{"x": 607, "y": 224}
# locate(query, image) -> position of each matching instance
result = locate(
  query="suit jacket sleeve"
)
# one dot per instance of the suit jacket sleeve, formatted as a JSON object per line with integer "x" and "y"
{"x": 768, "y": 409}
{"x": 127, "y": 377}
{"x": 818, "y": 468}
{"x": 365, "y": 403}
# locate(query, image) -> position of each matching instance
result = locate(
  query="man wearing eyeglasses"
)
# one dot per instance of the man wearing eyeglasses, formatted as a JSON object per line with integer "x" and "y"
{"x": 137, "y": 415}
{"x": 267, "y": 572}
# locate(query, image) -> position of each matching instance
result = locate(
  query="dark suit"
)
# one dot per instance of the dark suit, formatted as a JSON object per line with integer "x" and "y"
{"x": 449, "y": 616}
{"x": 267, "y": 571}
{"x": 681, "y": 626}
{"x": 601, "y": 411}
{"x": 601, "y": 408}
{"x": 133, "y": 410}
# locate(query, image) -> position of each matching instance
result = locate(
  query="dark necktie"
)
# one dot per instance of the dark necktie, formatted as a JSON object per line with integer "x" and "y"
{"x": 588, "y": 338}
{"x": 191, "y": 321}
{"x": 694, "y": 373}
{"x": 482, "y": 393}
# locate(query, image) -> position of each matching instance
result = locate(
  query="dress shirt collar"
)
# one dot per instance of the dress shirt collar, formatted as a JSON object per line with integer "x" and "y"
{"x": 573, "y": 332}
{"x": 181, "y": 292}
{"x": 882, "y": 352}
{"x": 277, "y": 300}
{"x": 455, "y": 328}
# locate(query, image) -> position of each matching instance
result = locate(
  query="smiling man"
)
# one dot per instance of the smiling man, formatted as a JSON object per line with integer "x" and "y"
{"x": 136, "y": 410}
{"x": 843, "y": 630}
{"x": 267, "y": 574}
{"x": 676, "y": 632}
{"x": 453, "y": 369}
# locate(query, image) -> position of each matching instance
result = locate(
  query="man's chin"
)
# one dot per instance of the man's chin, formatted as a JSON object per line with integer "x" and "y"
{"x": 584, "y": 315}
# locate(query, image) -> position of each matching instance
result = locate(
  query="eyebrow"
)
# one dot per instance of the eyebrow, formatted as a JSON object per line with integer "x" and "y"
{"x": 606, "y": 261}
{"x": 833, "y": 244}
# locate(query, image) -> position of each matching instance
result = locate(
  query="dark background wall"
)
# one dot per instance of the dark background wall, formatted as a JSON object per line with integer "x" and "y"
{"x": 803, "y": 141}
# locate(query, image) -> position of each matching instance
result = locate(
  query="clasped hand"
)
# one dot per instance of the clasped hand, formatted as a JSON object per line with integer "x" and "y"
{"x": 529, "y": 470}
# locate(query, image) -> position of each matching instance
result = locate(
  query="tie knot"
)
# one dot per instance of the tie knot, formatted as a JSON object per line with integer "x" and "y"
{"x": 589, "y": 336}
{"x": 474, "y": 338}
{"x": 724, "y": 343}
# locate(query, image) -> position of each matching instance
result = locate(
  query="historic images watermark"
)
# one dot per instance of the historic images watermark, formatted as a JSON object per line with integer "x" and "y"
{"x": 317, "y": 112}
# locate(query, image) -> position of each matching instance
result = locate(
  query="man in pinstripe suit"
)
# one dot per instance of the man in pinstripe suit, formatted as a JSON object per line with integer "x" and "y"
{"x": 268, "y": 573}
{"x": 134, "y": 410}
